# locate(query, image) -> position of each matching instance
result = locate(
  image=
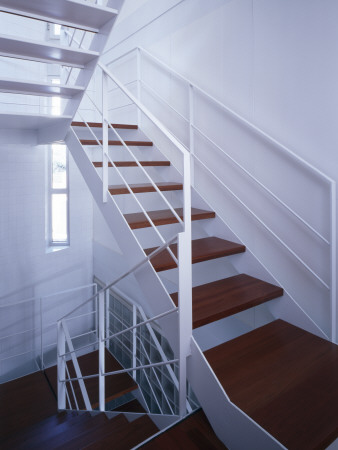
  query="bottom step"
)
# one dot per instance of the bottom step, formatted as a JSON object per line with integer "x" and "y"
{"x": 192, "y": 433}
{"x": 286, "y": 379}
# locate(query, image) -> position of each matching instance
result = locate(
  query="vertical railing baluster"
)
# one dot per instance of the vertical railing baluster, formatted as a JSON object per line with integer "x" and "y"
{"x": 333, "y": 243}
{"x": 61, "y": 366}
{"x": 41, "y": 336}
{"x": 134, "y": 339}
{"x": 101, "y": 351}
{"x": 138, "y": 81}
{"x": 185, "y": 287}
{"x": 191, "y": 132}
{"x": 104, "y": 137}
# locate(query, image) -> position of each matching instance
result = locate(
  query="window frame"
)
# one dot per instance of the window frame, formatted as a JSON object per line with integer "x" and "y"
{"x": 55, "y": 191}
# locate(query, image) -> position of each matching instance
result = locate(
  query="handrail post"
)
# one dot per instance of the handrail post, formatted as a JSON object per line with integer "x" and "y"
{"x": 185, "y": 288}
{"x": 138, "y": 81}
{"x": 333, "y": 242}
{"x": 61, "y": 366}
{"x": 101, "y": 351}
{"x": 41, "y": 336}
{"x": 134, "y": 340}
{"x": 104, "y": 137}
{"x": 191, "y": 132}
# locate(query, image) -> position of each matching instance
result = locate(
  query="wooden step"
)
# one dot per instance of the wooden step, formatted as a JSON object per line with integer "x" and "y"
{"x": 81, "y": 15}
{"x": 286, "y": 380}
{"x": 98, "y": 164}
{"x": 19, "y": 407}
{"x": 164, "y": 217}
{"x": 144, "y": 187}
{"x": 202, "y": 250}
{"x": 116, "y": 385}
{"x": 223, "y": 298}
{"x": 193, "y": 433}
{"x": 122, "y": 126}
{"x": 132, "y": 406}
{"x": 45, "y": 52}
{"x": 126, "y": 437}
{"x": 129, "y": 143}
{"x": 38, "y": 88}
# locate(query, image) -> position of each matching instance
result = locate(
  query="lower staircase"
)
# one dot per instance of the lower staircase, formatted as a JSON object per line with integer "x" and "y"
{"x": 29, "y": 418}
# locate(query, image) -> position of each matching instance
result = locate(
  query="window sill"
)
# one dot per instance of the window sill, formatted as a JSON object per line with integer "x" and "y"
{"x": 56, "y": 248}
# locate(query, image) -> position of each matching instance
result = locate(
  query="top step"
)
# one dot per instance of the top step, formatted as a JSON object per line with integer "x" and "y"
{"x": 44, "y": 52}
{"x": 122, "y": 126}
{"x": 286, "y": 380}
{"x": 72, "y": 13}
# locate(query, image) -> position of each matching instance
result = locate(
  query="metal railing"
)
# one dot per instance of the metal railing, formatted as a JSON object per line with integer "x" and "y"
{"x": 183, "y": 239}
{"x": 189, "y": 119}
{"x": 104, "y": 337}
{"x": 36, "y": 336}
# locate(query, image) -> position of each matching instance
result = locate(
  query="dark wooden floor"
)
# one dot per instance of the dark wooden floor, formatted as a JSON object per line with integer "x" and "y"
{"x": 24, "y": 402}
{"x": 284, "y": 378}
{"x": 193, "y": 433}
{"x": 116, "y": 385}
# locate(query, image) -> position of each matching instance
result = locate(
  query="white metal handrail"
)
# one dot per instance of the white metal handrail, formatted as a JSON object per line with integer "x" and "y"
{"x": 331, "y": 241}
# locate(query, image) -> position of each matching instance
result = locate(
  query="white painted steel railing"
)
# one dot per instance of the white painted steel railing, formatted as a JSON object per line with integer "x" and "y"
{"x": 36, "y": 336}
{"x": 193, "y": 89}
{"x": 104, "y": 337}
{"x": 183, "y": 239}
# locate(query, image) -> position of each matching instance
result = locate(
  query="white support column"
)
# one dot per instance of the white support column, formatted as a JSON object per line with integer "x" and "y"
{"x": 61, "y": 366}
{"x": 102, "y": 393}
{"x": 104, "y": 137}
{"x": 41, "y": 335}
{"x": 333, "y": 239}
{"x": 185, "y": 288}
{"x": 139, "y": 86}
{"x": 191, "y": 132}
{"x": 134, "y": 339}
{"x": 107, "y": 315}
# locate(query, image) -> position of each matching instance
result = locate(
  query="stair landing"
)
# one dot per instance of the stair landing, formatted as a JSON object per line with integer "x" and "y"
{"x": 286, "y": 379}
{"x": 23, "y": 402}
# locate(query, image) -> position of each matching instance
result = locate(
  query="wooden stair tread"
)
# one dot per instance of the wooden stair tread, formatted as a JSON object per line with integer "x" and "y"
{"x": 284, "y": 378}
{"x": 116, "y": 142}
{"x": 126, "y": 437}
{"x": 223, "y": 298}
{"x": 203, "y": 249}
{"x": 193, "y": 433}
{"x": 132, "y": 406}
{"x": 144, "y": 187}
{"x": 164, "y": 217}
{"x": 133, "y": 163}
{"x": 116, "y": 385}
{"x": 122, "y": 126}
{"x": 19, "y": 407}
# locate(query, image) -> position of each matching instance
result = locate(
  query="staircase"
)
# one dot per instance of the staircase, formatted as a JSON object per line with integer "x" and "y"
{"x": 28, "y": 423}
{"x": 92, "y": 20}
{"x": 272, "y": 387}
{"x": 269, "y": 375}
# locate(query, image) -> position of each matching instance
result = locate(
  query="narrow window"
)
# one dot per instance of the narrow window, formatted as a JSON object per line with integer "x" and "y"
{"x": 58, "y": 196}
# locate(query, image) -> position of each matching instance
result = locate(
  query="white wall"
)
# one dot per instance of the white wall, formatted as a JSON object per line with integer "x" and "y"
{"x": 27, "y": 268}
{"x": 271, "y": 61}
